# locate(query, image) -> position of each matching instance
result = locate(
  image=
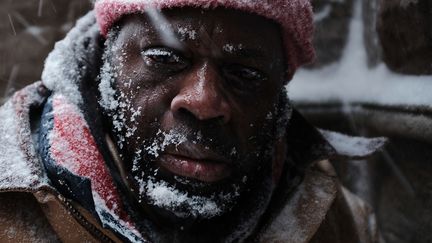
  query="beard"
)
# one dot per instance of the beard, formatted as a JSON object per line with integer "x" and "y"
{"x": 188, "y": 198}
{"x": 237, "y": 202}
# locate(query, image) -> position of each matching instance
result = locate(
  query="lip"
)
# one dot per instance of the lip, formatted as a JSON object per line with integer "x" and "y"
{"x": 208, "y": 168}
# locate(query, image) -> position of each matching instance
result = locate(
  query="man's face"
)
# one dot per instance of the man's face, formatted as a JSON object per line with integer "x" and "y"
{"x": 192, "y": 97}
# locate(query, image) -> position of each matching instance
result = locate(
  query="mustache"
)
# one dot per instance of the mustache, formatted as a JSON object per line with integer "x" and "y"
{"x": 185, "y": 138}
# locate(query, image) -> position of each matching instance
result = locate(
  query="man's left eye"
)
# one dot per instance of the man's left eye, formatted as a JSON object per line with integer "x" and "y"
{"x": 163, "y": 58}
{"x": 249, "y": 74}
{"x": 243, "y": 78}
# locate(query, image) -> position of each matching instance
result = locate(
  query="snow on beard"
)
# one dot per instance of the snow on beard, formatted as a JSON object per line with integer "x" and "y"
{"x": 170, "y": 195}
{"x": 183, "y": 197}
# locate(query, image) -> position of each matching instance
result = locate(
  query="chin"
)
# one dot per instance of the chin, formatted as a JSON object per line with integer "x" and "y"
{"x": 187, "y": 198}
{"x": 189, "y": 217}
{"x": 226, "y": 216}
{"x": 175, "y": 200}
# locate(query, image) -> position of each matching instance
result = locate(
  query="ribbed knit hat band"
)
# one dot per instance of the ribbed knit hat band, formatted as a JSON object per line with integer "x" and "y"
{"x": 294, "y": 16}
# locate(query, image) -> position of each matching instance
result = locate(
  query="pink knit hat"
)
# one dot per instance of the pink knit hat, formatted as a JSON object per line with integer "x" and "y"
{"x": 294, "y": 16}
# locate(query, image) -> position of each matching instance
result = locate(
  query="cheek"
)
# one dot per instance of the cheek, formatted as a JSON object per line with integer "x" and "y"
{"x": 144, "y": 113}
{"x": 147, "y": 96}
{"x": 252, "y": 117}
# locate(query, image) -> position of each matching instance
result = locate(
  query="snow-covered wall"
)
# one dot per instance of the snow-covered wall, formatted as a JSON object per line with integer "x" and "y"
{"x": 351, "y": 80}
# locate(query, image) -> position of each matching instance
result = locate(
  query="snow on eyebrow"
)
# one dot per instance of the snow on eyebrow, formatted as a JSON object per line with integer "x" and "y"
{"x": 160, "y": 52}
{"x": 155, "y": 52}
{"x": 230, "y": 48}
{"x": 187, "y": 33}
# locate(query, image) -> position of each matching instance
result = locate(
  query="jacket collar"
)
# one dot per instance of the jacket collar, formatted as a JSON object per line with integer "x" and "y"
{"x": 305, "y": 209}
{"x": 19, "y": 163}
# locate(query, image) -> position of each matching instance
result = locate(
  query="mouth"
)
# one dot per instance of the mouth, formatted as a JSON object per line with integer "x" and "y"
{"x": 195, "y": 163}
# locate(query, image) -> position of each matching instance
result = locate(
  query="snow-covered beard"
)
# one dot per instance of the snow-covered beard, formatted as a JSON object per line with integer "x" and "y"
{"x": 182, "y": 196}
{"x": 242, "y": 200}
{"x": 188, "y": 197}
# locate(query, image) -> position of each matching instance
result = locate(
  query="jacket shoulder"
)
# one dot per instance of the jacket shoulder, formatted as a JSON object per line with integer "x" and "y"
{"x": 348, "y": 220}
{"x": 305, "y": 209}
{"x": 22, "y": 219}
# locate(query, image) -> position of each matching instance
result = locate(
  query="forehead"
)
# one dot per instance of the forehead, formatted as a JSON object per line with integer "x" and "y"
{"x": 226, "y": 29}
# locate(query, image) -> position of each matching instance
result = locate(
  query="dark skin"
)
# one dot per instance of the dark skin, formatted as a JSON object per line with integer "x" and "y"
{"x": 221, "y": 79}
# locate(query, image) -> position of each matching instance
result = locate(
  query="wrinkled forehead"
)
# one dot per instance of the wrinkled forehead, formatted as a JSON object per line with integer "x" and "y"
{"x": 231, "y": 30}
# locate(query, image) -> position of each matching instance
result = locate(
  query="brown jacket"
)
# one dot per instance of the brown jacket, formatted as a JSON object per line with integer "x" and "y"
{"x": 31, "y": 210}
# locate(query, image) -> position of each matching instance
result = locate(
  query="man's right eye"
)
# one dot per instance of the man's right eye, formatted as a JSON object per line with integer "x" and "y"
{"x": 164, "y": 58}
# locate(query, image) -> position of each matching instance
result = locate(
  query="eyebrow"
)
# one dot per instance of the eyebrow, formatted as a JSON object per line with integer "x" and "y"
{"x": 251, "y": 53}
{"x": 245, "y": 52}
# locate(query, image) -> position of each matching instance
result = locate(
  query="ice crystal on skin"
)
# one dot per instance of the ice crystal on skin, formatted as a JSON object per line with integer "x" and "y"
{"x": 158, "y": 52}
{"x": 106, "y": 89}
{"x": 173, "y": 137}
{"x": 269, "y": 116}
{"x": 161, "y": 140}
{"x": 230, "y": 48}
{"x": 117, "y": 104}
{"x": 233, "y": 151}
{"x": 186, "y": 33}
{"x": 108, "y": 76}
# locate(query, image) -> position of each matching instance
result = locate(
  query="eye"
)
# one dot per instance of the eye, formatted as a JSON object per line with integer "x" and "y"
{"x": 243, "y": 78}
{"x": 164, "y": 58}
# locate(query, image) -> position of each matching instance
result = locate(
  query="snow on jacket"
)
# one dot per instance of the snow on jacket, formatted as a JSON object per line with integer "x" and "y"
{"x": 58, "y": 187}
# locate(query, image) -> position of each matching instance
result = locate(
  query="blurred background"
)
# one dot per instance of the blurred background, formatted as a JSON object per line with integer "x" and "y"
{"x": 372, "y": 77}
{"x": 28, "y": 32}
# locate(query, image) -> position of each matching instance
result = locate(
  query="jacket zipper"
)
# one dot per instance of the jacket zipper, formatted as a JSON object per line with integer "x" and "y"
{"x": 84, "y": 222}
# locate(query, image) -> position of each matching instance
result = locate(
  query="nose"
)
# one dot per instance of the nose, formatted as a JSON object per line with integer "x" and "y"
{"x": 201, "y": 95}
